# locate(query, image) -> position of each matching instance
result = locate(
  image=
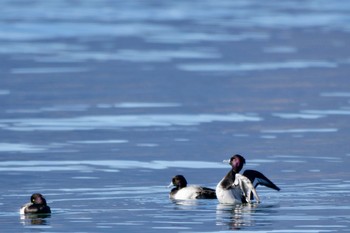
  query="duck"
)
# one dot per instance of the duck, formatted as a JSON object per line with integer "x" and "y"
{"x": 236, "y": 188}
{"x": 183, "y": 192}
{"x": 37, "y": 205}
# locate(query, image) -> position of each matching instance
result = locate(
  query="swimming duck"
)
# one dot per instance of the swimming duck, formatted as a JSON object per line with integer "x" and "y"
{"x": 37, "y": 205}
{"x": 235, "y": 188}
{"x": 184, "y": 192}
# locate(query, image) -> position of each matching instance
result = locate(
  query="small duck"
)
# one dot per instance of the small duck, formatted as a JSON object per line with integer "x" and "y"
{"x": 235, "y": 188}
{"x": 37, "y": 205}
{"x": 184, "y": 192}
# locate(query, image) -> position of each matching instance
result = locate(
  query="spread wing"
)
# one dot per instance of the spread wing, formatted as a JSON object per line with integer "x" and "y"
{"x": 247, "y": 188}
{"x": 257, "y": 178}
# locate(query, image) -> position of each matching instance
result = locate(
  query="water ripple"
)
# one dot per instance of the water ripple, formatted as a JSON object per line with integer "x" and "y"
{"x": 302, "y": 130}
{"x": 215, "y": 67}
{"x": 102, "y": 165}
{"x": 115, "y": 122}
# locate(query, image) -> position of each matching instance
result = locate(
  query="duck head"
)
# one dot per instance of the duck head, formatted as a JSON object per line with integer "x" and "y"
{"x": 38, "y": 199}
{"x": 237, "y": 161}
{"x": 179, "y": 181}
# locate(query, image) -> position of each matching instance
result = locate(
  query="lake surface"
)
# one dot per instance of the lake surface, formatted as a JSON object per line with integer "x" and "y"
{"x": 103, "y": 102}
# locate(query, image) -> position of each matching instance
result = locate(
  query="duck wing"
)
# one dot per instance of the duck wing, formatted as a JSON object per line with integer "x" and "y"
{"x": 247, "y": 188}
{"x": 257, "y": 178}
{"x": 206, "y": 193}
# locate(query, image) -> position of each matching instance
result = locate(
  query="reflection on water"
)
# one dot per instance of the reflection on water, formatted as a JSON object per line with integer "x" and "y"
{"x": 36, "y": 219}
{"x": 329, "y": 112}
{"x": 20, "y": 147}
{"x": 224, "y": 67}
{"x": 336, "y": 94}
{"x": 235, "y": 217}
{"x": 48, "y": 70}
{"x": 313, "y": 114}
{"x": 4, "y": 92}
{"x": 85, "y": 107}
{"x": 146, "y": 105}
{"x": 103, "y": 101}
{"x": 280, "y": 49}
{"x": 325, "y": 130}
{"x": 297, "y": 116}
{"x": 121, "y": 121}
{"x": 102, "y": 165}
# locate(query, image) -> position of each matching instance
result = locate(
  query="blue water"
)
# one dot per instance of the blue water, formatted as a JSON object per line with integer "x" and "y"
{"x": 103, "y": 102}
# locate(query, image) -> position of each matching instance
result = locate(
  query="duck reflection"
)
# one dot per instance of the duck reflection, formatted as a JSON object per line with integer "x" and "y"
{"x": 235, "y": 216}
{"x": 189, "y": 204}
{"x": 35, "y": 219}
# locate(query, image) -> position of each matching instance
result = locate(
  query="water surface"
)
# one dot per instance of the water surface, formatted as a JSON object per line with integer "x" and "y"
{"x": 102, "y": 103}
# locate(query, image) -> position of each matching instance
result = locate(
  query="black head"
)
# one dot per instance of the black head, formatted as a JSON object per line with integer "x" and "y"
{"x": 179, "y": 181}
{"x": 38, "y": 199}
{"x": 237, "y": 162}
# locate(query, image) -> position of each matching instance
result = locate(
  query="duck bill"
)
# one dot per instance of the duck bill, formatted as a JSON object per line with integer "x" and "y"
{"x": 226, "y": 161}
{"x": 170, "y": 185}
